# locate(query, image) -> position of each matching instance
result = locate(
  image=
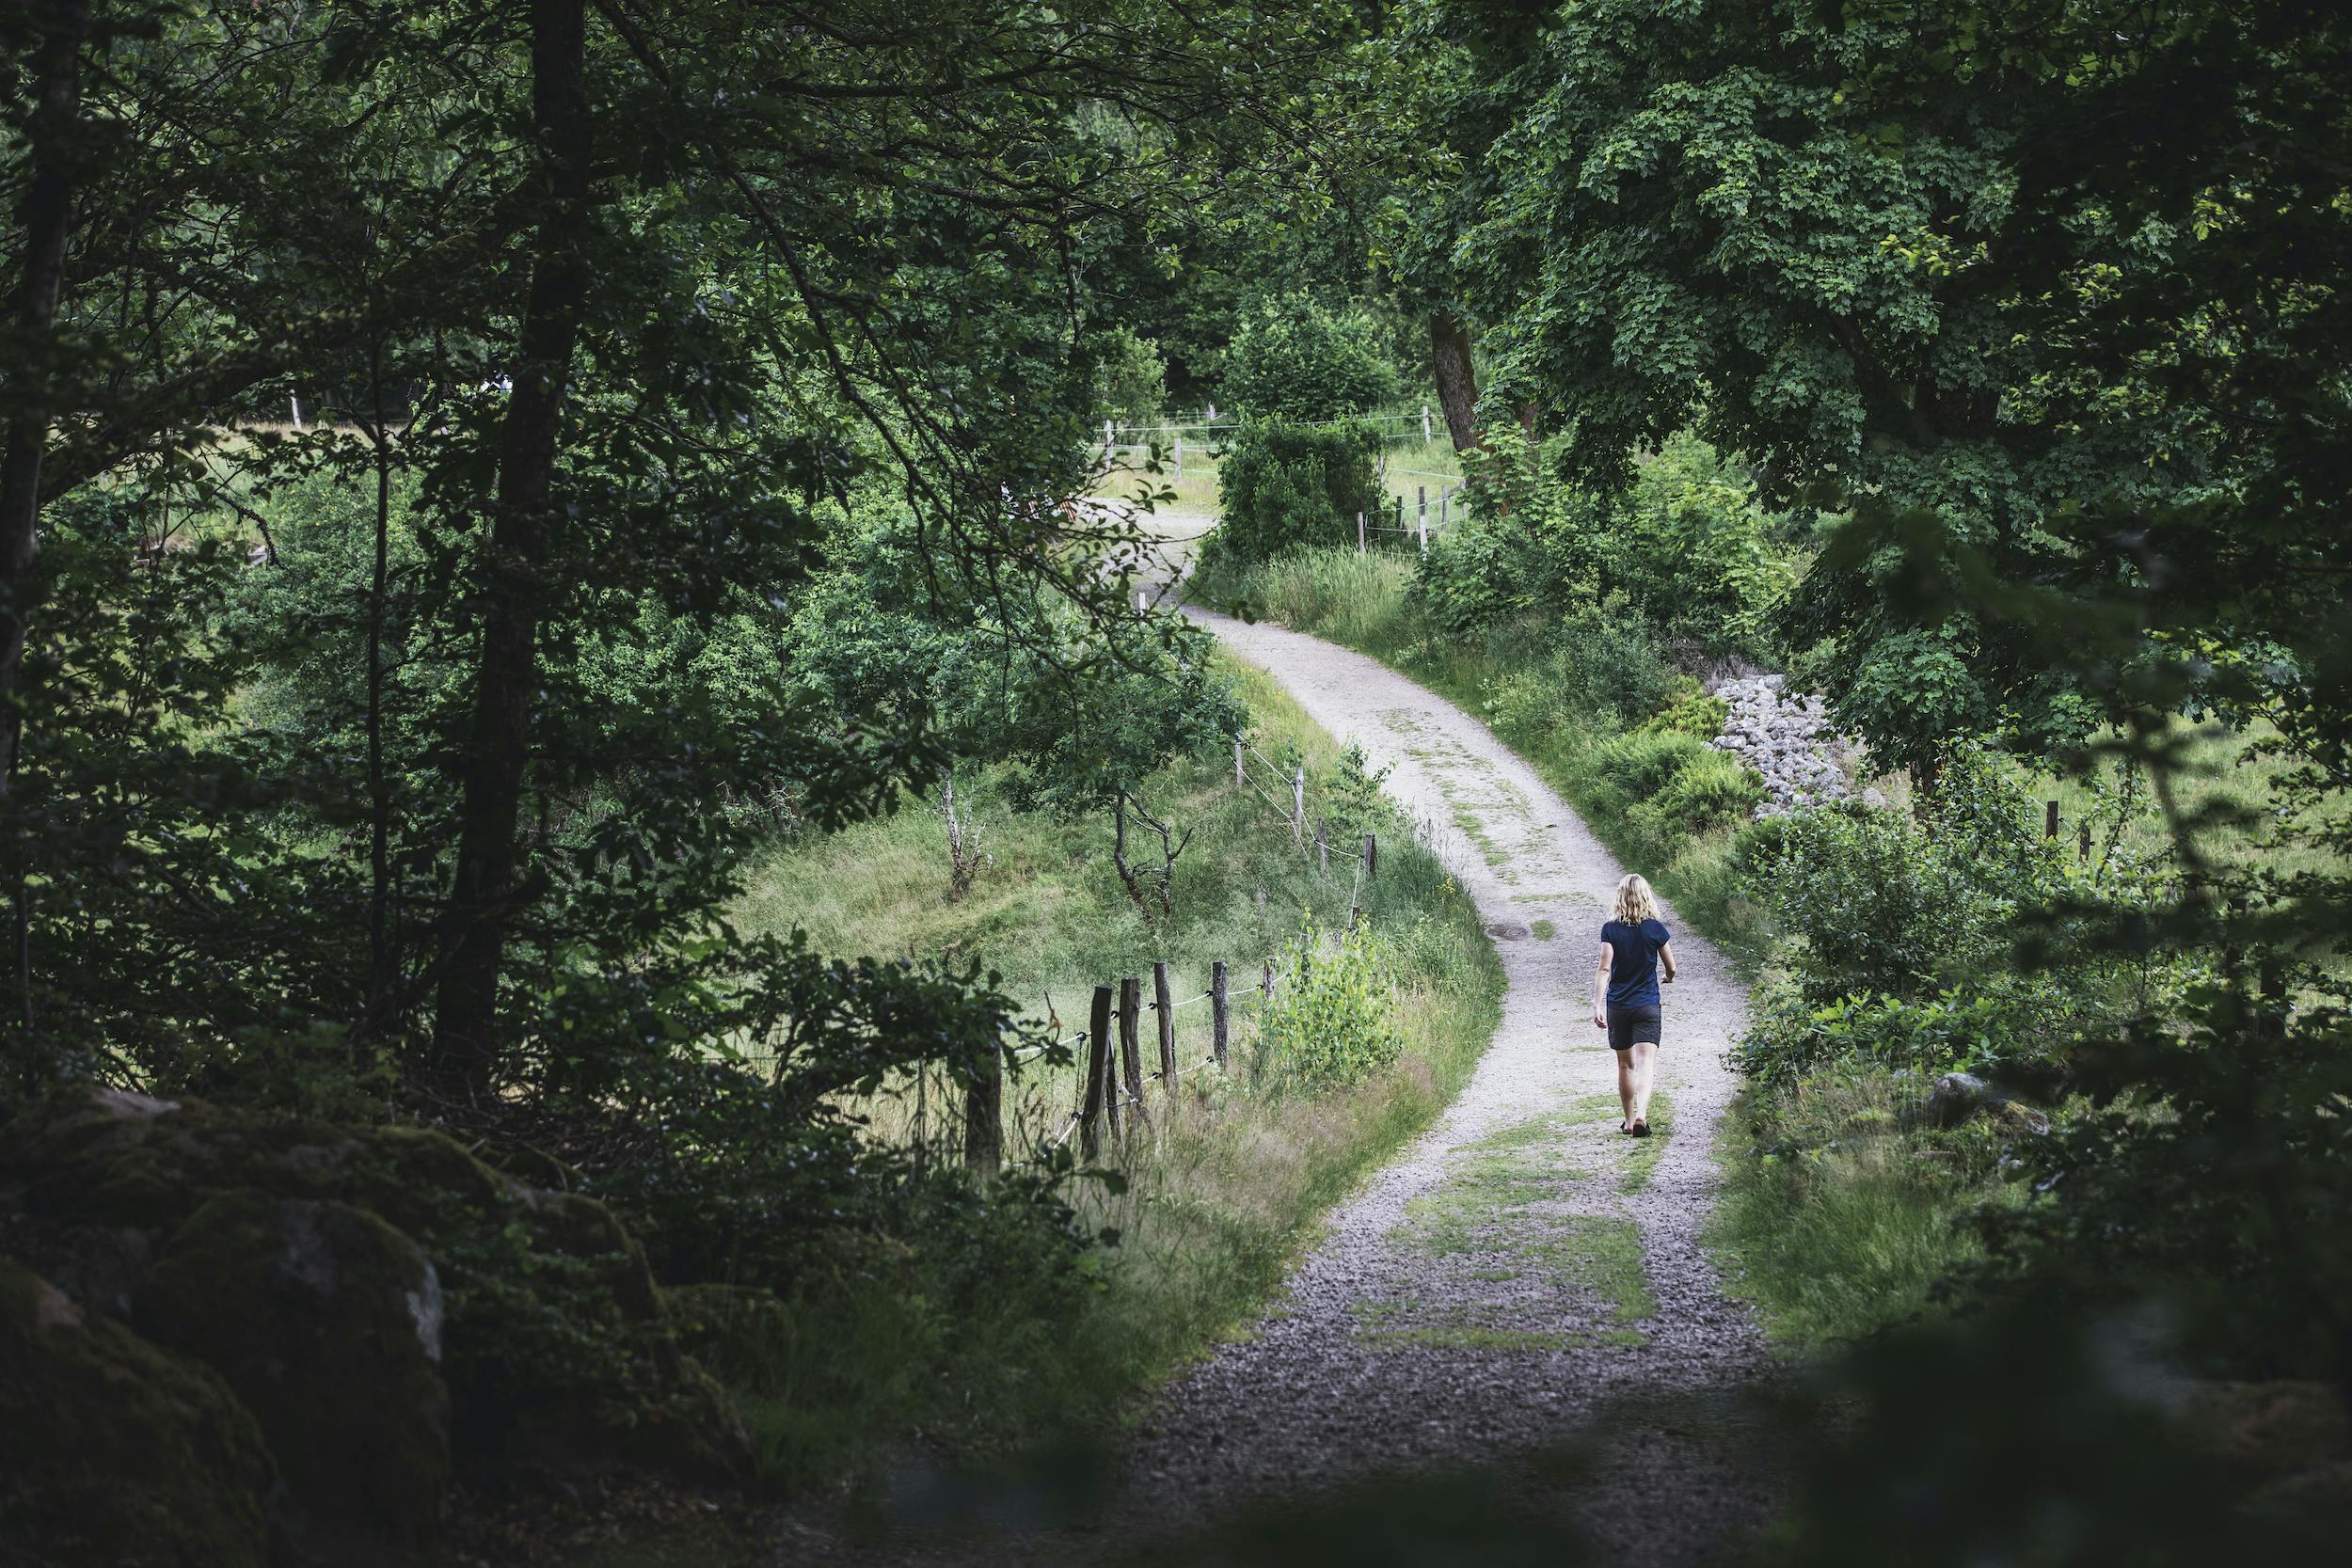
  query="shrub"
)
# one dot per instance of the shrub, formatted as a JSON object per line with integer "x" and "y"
{"x": 1332, "y": 1019}
{"x": 1293, "y": 358}
{"x": 1710, "y": 790}
{"x": 1879, "y": 909}
{"x": 1946, "y": 1032}
{"x": 1694, "y": 551}
{"x": 1642, "y": 765}
{"x": 1689, "y": 710}
{"x": 1286, "y": 485}
{"x": 1130, "y": 377}
{"x": 1612, "y": 662}
{"x": 1524, "y": 541}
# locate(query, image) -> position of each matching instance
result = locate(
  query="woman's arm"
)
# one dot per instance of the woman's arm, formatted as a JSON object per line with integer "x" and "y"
{"x": 1600, "y": 986}
{"x": 1666, "y": 960}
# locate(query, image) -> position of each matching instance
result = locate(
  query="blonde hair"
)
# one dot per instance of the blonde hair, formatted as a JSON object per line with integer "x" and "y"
{"x": 1635, "y": 902}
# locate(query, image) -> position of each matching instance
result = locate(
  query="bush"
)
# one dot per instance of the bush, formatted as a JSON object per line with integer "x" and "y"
{"x": 1130, "y": 377}
{"x": 1879, "y": 909}
{"x": 1524, "y": 542}
{"x": 1614, "y": 663}
{"x": 1332, "y": 1019}
{"x": 1690, "y": 711}
{"x": 1293, "y": 358}
{"x": 1643, "y": 765}
{"x": 1991, "y": 1031}
{"x": 1287, "y": 486}
{"x": 1710, "y": 790}
{"x": 1694, "y": 551}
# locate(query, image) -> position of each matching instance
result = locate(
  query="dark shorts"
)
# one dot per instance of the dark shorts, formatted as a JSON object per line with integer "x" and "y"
{"x": 1629, "y": 1027}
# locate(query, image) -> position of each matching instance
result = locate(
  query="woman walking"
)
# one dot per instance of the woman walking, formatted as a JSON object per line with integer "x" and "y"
{"x": 1633, "y": 948}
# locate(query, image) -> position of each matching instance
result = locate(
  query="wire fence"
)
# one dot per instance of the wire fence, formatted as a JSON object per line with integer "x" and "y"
{"x": 1120, "y": 1085}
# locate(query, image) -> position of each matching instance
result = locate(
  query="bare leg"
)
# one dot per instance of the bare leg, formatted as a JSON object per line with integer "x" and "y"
{"x": 1642, "y": 1069}
{"x": 1625, "y": 1084}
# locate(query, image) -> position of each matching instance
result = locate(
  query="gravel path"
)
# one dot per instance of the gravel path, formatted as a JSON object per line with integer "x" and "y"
{"x": 1518, "y": 1274}
{"x": 1521, "y": 1282}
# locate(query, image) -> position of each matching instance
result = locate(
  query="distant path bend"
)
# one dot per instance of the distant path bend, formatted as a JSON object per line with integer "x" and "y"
{"x": 1475, "y": 1301}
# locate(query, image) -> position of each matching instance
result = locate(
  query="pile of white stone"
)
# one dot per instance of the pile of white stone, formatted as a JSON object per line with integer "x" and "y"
{"x": 1788, "y": 740}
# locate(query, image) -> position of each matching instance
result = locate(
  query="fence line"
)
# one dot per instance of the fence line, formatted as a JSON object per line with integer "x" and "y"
{"x": 1114, "y": 1075}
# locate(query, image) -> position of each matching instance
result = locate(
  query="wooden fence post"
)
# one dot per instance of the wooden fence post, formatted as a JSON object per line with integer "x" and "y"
{"x": 984, "y": 1115}
{"x": 1240, "y": 778}
{"x": 1359, "y": 533}
{"x": 1268, "y": 987}
{"x": 1098, "y": 1068}
{"x": 1130, "y": 1048}
{"x": 1443, "y": 496}
{"x": 1218, "y": 1015}
{"x": 1425, "y": 424}
{"x": 1423, "y": 491}
{"x": 1165, "y": 1007}
{"x": 1179, "y": 457}
{"x": 2049, "y": 821}
{"x": 1371, "y": 855}
{"x": 1299, "y": 805}
{"x": 2082, "y": 843}
{"x": 1399, "y": 513}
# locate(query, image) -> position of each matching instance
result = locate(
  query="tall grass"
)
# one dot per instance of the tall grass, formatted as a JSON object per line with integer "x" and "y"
{"x": 1210, "y": 1204}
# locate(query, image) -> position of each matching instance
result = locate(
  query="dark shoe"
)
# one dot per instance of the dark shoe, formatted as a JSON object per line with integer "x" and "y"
{"x": 1641, "y": 1127}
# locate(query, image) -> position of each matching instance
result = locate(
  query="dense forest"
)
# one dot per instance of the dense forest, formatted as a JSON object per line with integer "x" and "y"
{"x": 591, "y": 673}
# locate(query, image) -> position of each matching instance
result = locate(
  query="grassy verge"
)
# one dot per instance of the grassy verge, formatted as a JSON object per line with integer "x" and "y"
{"x": 1835, "y": 1217}
{"x": 960, "y": 1341}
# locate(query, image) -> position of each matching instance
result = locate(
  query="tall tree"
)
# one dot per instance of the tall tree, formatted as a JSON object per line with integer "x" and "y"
{"x": 517, "y": 558}
{"x": 59, "y": 30}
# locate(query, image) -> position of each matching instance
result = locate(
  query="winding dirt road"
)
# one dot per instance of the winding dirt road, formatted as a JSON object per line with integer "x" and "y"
{"x": 1523, "y": 1272}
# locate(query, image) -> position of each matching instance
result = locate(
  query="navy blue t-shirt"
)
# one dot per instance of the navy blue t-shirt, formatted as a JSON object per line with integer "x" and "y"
{"x": 1633, "y": 962}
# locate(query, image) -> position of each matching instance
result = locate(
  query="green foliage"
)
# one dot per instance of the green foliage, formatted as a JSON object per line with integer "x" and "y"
{"x": 1357, "y": 807}
{"x": 1878, "y": 905}
{"x": 1710, "y": 790}
{"x": 1694, "y": 550}
{"x": 1287, "y": 486}
{"x": 1130, "y": 377}
{"x": 1644, "y": 764}
{"x": 2008, "y": 1024}
{"x": 1523, "y": 541}
{"x": 1689, "y": 710}
{"x": 1294, "y": 358}
{"x": 1332, "y": 1020}
{"x": 1842, "y": 1212}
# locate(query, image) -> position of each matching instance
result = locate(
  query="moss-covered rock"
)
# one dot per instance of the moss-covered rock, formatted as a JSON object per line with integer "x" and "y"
{"x": 555, "y": 1349}
{"x": 114, "y": 1452}
{"x": 328, "y": 1323}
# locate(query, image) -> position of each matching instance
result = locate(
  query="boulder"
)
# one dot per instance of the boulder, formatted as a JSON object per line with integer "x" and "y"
{"x": 1957, "y": 1095}
{"x": 328, "y": 1323}
{"x": 114, "y": 1451}
{"x": 295, "y": 1253}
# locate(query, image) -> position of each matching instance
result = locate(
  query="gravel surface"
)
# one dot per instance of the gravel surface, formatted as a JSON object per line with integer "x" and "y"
{"x": 1400, "y": 1344}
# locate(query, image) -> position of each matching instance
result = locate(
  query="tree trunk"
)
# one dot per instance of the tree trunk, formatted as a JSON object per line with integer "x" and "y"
{"x": 48, "y": 217}
{"x": 483, "y": 894}
{"x": 379, "y": 792}
{"x": 1457, "y": 384}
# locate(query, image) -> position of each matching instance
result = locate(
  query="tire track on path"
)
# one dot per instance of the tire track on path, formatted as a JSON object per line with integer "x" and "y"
{"x": 1522, "y": 1272}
